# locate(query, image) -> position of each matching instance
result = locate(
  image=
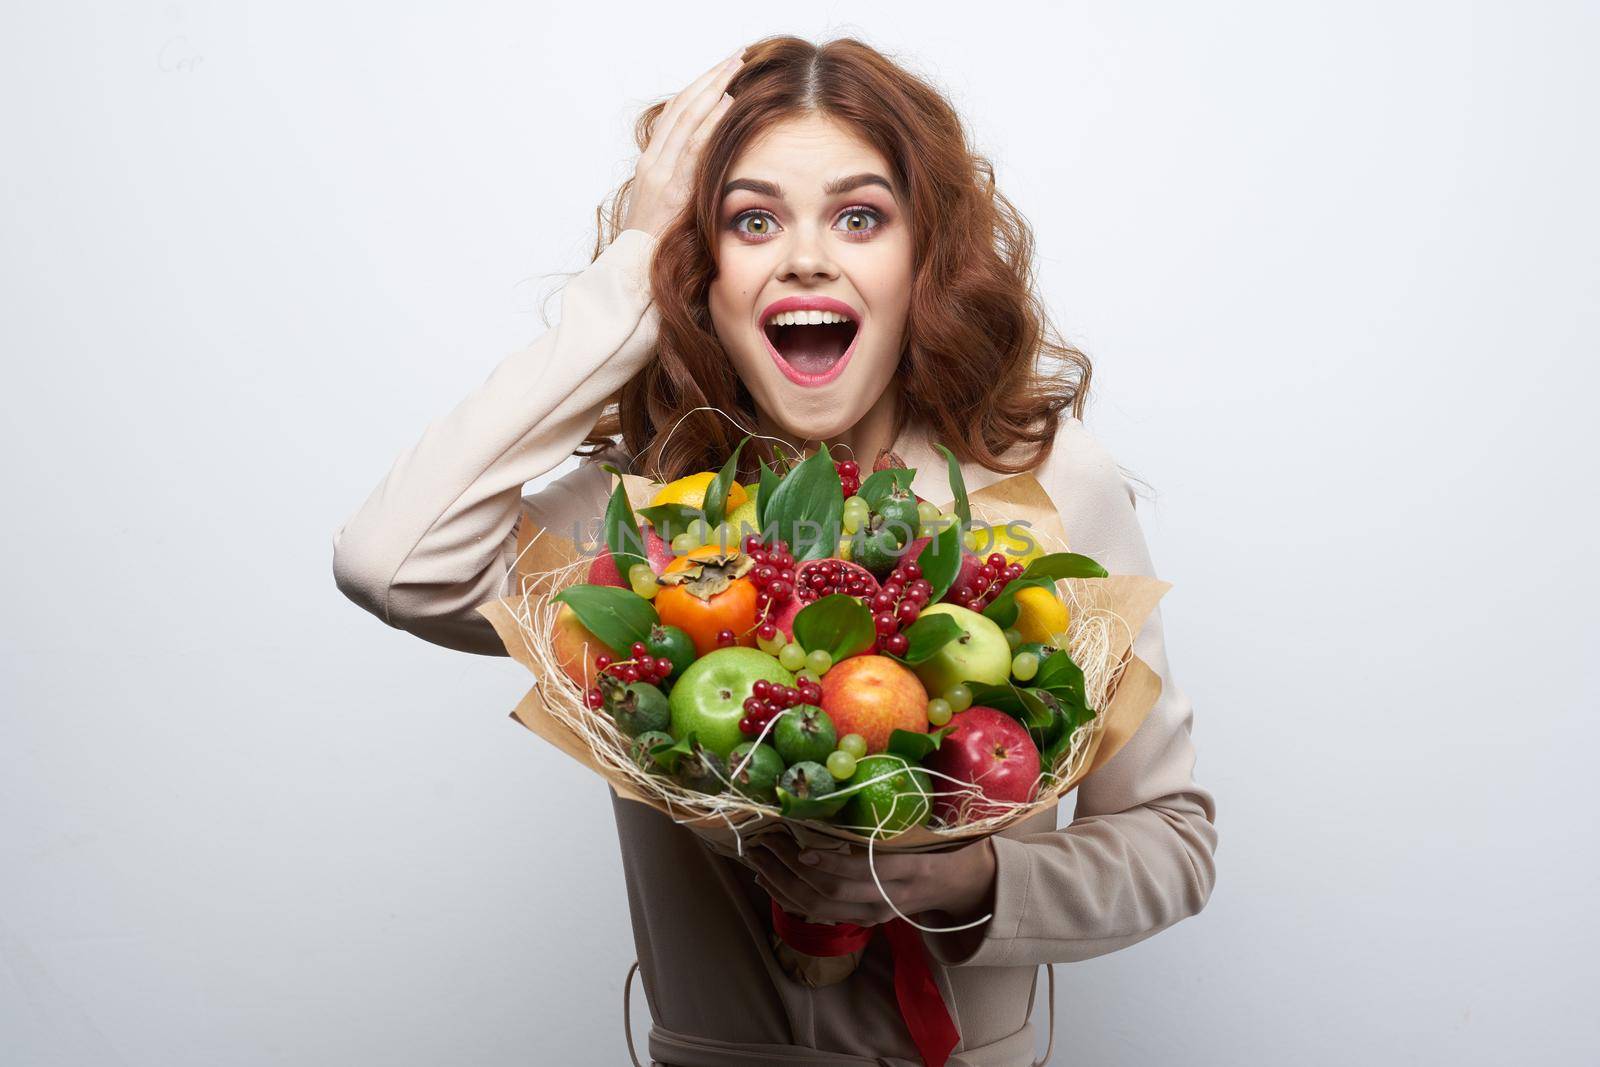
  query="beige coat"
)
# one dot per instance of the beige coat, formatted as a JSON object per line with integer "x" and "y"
{"x": 435, "y": 539}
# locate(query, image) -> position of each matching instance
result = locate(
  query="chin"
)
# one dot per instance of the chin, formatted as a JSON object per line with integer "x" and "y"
{"x": 819, "y": 426}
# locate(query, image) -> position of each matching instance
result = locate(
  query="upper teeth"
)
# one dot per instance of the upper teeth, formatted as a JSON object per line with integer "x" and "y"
{"x": 806, "y": 318}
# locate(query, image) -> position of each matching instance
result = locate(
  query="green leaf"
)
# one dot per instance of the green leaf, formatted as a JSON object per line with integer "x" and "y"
{"x": 1037, "y": 711}
{"x": 806, "y": 508}
{"x": 623, "y": 539}
{"x": 840, "y": 625}
{"x": 668, "y": 755}
{"x": 958, "y": 489}
{"x": 1058, "y": 671}
{"x": 670, "y": 520}
{"x": 928, "y": 635}
{"x": 1058, "y": 565}
{"x": 618, "y": 617}
{"x": 879, "y": 484}
{"x": 940, "y": 560}
{"x": 823, "y": 807}
{"x": 1052, "y": 752}
{"x": 914, "y": 747}
{"x": 1003, "y": 697}
{"x": 1003, "y": 610}
{"x": 1024, "y": 705}
{"x": 765, "y": 487}
{"x": 717, "y": 491}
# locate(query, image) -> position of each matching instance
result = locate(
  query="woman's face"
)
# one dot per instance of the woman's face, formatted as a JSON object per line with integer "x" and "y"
{"x": 785, "y": 235}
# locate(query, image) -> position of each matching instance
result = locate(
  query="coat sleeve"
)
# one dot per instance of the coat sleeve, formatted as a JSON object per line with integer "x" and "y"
{"x": 1138, "y": 855}
{"x": 437, "y": 537}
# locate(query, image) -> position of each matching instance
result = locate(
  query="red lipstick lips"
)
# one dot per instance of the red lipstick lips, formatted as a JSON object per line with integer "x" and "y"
{"x": 810, "y": 369}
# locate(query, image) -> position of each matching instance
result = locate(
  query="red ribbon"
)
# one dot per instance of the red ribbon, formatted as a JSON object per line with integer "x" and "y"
{"x": 923, "y": 1009}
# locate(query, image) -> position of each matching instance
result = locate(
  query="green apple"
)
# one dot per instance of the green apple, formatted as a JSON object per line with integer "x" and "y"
{"x": 708, "y": 698}
{"x": 980, "y": 654}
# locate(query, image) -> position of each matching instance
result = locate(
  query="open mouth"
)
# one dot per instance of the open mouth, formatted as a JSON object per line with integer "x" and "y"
{"x": 812, "y": 355}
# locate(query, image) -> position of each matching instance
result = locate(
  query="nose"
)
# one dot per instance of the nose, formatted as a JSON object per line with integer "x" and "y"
{"x": 808, "y": 258}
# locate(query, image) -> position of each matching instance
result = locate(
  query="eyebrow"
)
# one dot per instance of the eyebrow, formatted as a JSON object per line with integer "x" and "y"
{"x": 833, "y": 188}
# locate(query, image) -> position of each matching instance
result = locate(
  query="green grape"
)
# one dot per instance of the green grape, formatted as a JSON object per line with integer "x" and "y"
{"x": 774, "y": 646}
{"x": 939, "y": 711}
{"x": 970, "y": 540}
{"x": 697, "y": 530}
{"x": 959, "y": 696}
{"x": 856, "y": 503}
{"x": 854, "y": 744}
{"x": 1013, "y": 638}
{"x": 806, "y": 674}
{"x": 1024, "y": 666}
{"x": 639, "y": 572}
{"x": 818, "y": 662}
{"x": 683, "y": 544}
{"x": 927, "y": 511}
{"x": 792, "y": 657}
{"x": 645, "y": 584}
{"x": 841, "y": 764}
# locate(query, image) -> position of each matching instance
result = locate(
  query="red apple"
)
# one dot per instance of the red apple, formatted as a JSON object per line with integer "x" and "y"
{"x": 988, "y": 749}
{"x": 874, "y": 696}
{"x": 603, "y": 571}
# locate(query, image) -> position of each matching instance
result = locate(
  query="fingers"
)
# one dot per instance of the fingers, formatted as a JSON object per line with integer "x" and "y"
{"x": 799, "y": 899}
{"x": 891, "y": 867}
{"x": 695, "y": 112}
{"x": 717, "y": 77}
{"x": 839, "y": 886}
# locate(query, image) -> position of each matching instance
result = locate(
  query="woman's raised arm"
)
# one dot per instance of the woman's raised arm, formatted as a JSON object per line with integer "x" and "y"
{"x": 436, "y": 538}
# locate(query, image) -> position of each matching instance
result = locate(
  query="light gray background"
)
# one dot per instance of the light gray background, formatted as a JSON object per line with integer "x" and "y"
{"x": 1336, "y": 265}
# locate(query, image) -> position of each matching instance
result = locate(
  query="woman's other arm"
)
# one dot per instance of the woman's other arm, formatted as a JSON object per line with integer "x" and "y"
{"x": 436, "y": 538}
{"x": 1138, "y": 855}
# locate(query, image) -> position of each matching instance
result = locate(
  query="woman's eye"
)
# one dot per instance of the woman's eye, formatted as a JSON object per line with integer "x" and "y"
{"x": 761, "y": 223}
{"x": 860, "y": 215}
{"x": 755, "y": 217}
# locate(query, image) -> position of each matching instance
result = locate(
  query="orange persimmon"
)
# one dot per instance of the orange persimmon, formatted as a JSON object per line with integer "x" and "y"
{"x": 706, "y": 592}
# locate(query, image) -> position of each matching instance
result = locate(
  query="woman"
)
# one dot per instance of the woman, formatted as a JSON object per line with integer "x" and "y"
{"x": 812, "y": 172}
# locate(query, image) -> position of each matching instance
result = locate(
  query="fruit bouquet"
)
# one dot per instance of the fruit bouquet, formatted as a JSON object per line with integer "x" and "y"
{"x": 827, "y": 655}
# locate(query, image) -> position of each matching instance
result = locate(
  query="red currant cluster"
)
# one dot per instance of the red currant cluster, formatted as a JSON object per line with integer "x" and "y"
{"x": 987, "y": 583}
{"x": 773, "y": 572}
{"x": 897, "y": 606}
{"x": 849, "y": 477}
{"x": 766, "y": 700}
{"x": 643, "y": 667}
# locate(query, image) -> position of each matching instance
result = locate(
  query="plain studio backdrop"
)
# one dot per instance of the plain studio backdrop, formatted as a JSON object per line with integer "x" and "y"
{"x": 1336, "y": 266}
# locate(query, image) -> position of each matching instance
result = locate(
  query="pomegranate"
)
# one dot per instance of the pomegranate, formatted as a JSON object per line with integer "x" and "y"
{"x": 971, "y": 565}
{"x": 817, "y": 578}
{"x": 603, "y": 571}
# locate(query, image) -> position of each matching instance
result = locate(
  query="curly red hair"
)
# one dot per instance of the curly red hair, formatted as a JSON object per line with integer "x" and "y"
{"x": 981, "y": 367}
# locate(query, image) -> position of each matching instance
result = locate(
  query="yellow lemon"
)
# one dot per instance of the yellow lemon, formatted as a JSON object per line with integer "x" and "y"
{"x": 690, "y": 491}
{"x": 1018, "y": 545}
{"x": 742, "y": 521}
{"x": 1041, "y": 616}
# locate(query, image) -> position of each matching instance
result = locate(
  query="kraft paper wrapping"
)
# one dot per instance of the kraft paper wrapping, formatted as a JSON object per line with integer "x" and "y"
{"x": 1130, "y": 597}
